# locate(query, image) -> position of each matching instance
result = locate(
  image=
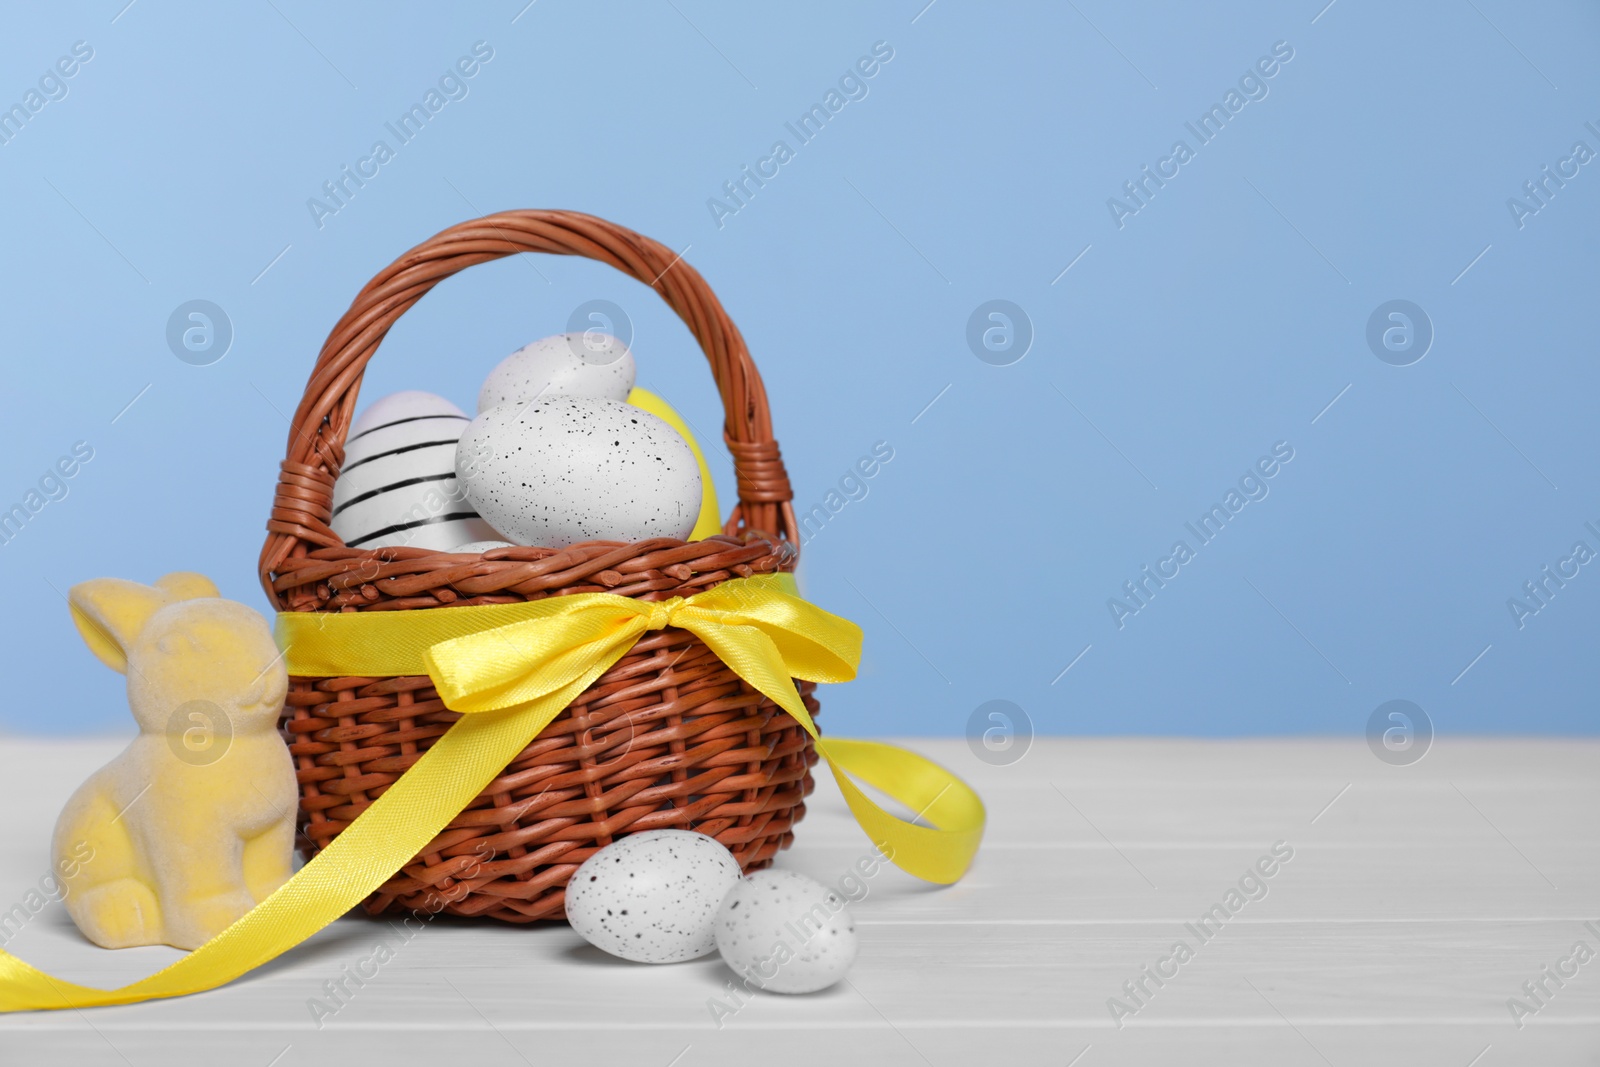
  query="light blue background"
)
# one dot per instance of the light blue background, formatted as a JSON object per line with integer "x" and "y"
{"x": 1219, "y": 320}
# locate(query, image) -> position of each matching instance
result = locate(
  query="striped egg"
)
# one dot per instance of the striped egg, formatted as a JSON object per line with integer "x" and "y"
{"x": 399, "y": 485}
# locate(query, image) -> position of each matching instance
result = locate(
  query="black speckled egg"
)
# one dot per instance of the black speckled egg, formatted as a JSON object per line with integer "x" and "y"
{"x": 564, "y": 469}
{"x": 785, "y": 932}
{"x": 579, "y": 364}
{"x": 653, "y": 896}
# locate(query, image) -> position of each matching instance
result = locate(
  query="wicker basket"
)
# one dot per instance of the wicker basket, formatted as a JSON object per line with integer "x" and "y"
{"x": 668, "y": 737}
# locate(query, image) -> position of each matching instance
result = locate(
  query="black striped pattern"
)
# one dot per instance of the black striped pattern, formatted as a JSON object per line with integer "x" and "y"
{"x": 395, "y": 485}
{"x": 398, "y": 451}
{"x": 397, "y": 422}
{"x": 402, "y": 527}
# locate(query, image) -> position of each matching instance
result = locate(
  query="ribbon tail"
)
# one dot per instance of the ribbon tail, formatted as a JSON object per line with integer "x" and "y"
{"x": 25, "y": 988}
{"x": 939, "y": 853}
{"x": 382, "y": 840}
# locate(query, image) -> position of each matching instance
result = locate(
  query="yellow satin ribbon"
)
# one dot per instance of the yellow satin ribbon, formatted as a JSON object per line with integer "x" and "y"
{"x": 511, "y": 669}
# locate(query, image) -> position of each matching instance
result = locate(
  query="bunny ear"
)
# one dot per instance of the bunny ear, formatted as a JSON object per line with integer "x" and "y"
{"x": 110, "y": 612}
{"x": 186, "y": 585}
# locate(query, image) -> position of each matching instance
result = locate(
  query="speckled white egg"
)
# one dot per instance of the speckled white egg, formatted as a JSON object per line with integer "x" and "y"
{"x": 565, "y": 469}
{"x": 652, "y": 896}
{"x": 569, "y": 364}
{"x": 477, "y": 548}
{"x": 785, "y": 932}
{"x": 399, "y": 485}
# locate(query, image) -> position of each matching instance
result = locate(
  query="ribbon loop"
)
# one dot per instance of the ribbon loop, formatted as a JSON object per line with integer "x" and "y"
{"x": 514, "y": 662}
{"x": 529, "y": 661}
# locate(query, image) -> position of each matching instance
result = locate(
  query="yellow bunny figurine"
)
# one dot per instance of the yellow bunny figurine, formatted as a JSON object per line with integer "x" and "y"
{"x": 193, "y": 824}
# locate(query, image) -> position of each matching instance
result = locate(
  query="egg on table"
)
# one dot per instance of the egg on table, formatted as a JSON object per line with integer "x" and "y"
{"x": 652, "y": 897}
{"x": 399, "y": 484}
{"x": 563, "y": 469}
{"x": 785, "y": 932}
{"x": 569, "y": 364}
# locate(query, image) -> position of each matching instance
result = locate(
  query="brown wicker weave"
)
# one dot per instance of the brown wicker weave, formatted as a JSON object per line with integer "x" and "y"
{"x": 668, "y": 737}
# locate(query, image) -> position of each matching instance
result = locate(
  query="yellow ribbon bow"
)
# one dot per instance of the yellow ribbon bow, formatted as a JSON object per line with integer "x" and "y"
{"x": 510, "y": 669}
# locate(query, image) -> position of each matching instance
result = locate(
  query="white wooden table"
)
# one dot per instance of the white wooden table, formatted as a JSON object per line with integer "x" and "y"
{"x": 1417, "y": 901}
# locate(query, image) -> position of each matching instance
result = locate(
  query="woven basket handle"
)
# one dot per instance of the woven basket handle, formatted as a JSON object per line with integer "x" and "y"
{"x": 304, "y": 502}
